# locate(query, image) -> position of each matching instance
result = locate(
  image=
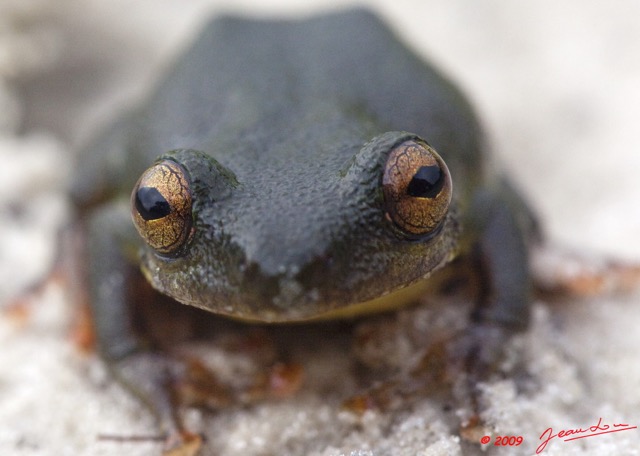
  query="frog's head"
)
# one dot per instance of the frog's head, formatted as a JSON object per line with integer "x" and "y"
{"x": 298, "y": 240}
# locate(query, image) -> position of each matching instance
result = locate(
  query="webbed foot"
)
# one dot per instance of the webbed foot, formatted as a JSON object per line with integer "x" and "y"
{"x": 451, "y": 370}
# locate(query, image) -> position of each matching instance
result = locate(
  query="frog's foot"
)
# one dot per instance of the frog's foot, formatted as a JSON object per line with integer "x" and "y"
{"x": 377, "y": 345}
{"x": 182, "y": 444}
{"x": 196, "y": 385}
{"x": 200, "y": 386}
{"x": 150, "y": 376}
{"x": 559, "y": 272}
{"x": 452, "y": 368}
{"x": 166, "y": 384}
{"x": 429, "y": 378}
{"x": 153, "y": 377}
{"x": 478, "y": 356}
{"x": 278, "y": 381}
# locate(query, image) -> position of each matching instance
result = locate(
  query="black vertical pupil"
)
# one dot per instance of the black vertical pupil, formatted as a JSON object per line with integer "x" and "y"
{"x": 426, "y": 182}
{"x": 150, "y": 203}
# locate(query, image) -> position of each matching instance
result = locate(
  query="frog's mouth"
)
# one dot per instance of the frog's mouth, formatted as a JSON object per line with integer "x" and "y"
{"x": 295, "y": 305}
{"x": 326, "y": 288}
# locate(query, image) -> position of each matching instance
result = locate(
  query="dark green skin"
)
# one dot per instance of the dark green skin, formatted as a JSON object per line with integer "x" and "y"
{"x": 284, "y": 129}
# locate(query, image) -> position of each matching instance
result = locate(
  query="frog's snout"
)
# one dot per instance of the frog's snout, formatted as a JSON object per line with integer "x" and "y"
{"x": 291, "y": 286}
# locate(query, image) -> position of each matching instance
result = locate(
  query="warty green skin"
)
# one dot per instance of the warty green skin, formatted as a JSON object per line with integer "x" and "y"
{"x": 284, "y": 128}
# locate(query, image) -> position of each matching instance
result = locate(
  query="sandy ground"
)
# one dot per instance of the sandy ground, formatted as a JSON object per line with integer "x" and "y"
{"x": 556, "y": 83}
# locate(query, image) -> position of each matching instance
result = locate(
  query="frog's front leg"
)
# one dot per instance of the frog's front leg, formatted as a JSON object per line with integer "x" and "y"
{"x": 148, "y": 374}
{"x": 499, "y": 256}
{"x": 500, "y": 261}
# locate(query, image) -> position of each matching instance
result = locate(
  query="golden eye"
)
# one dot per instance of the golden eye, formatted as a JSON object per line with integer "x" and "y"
{"x": 417, "y": 188}
{"x": 161, "y": 207}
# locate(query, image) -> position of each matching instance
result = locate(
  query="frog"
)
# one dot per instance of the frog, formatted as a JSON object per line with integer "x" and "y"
{"x": 296, "y": 170}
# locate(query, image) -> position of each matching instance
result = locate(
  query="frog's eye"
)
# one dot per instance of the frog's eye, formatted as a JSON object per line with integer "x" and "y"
{"x": 161, "y": 207}
{"x": 417, "y": 188}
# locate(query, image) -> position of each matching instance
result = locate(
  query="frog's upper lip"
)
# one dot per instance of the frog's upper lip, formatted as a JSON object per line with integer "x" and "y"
{"x": 289, "y": 281}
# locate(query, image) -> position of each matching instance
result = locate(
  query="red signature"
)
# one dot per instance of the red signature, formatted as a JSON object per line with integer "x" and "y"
{"x": 579, "y": 433}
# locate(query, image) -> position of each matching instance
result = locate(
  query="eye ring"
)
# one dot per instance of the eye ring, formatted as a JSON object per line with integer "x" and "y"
{"x": 417, "y": 188}
{"x": 161, "y": 207}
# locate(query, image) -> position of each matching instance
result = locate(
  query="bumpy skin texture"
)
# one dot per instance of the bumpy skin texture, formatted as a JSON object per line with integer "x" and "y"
{"x": 284, "y": 129}
{"x": 297, "y": 125}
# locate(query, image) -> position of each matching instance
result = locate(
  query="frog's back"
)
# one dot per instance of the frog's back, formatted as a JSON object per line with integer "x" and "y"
{"x": 278, "y": 89}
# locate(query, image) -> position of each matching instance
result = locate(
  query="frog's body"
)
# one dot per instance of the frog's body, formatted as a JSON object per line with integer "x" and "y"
{"x": 283, "y": 131}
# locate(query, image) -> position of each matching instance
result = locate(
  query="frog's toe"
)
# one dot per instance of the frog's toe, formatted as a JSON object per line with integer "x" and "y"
{"x": 278, "y": 381}
{"x": 197, "y": 385}
{"x": 451, "y": 369}
{"x": 480, "y": 352}
{"x": 158, "y": 380}
{"x": 182, "y": 444}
